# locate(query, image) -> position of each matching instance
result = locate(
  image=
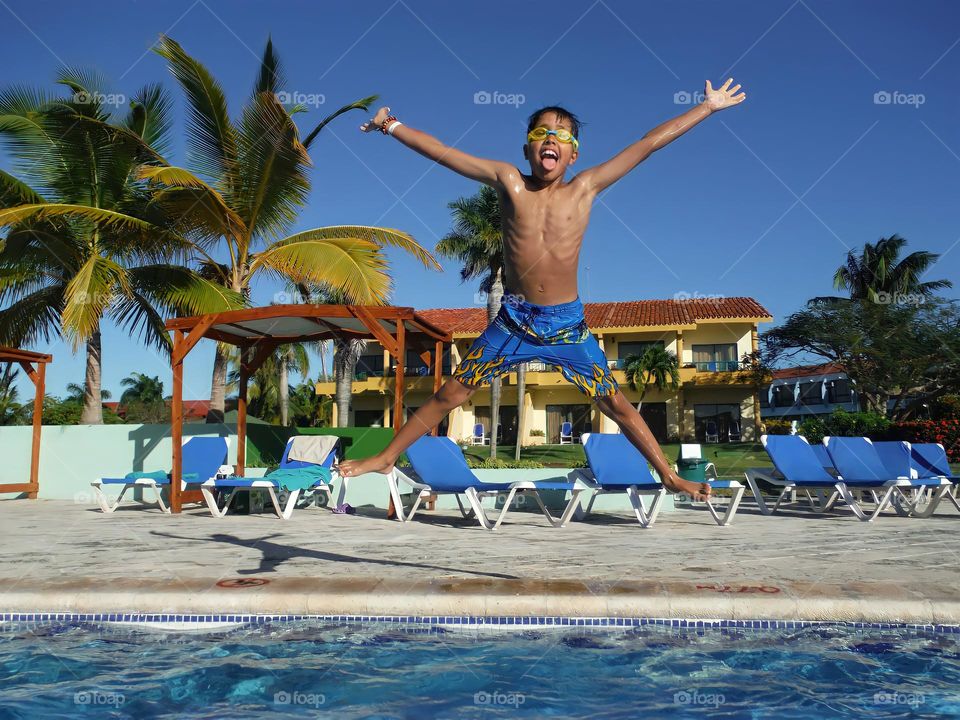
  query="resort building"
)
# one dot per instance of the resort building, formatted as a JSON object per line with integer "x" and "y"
{"x": 709, "y": 336}
{"x": 806, "y": 390}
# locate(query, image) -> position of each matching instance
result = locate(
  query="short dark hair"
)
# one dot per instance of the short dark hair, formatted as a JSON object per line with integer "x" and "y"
{"x": 562, "y": 114}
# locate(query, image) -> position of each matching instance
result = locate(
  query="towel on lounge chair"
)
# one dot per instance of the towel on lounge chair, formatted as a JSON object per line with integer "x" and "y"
{"x": 300, "y": 478}
{"x": 312, "y": 448}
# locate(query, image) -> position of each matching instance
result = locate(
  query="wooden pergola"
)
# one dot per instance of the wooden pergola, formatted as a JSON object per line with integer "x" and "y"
{"x": 258, "y": 332}
{"x": 34, "y": 364}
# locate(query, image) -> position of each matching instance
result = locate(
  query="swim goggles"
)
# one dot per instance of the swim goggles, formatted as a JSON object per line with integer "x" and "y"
{"x": 562, "y": 135}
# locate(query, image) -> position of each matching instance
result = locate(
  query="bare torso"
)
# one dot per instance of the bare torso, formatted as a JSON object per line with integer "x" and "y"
{"x": 542, "y": 233}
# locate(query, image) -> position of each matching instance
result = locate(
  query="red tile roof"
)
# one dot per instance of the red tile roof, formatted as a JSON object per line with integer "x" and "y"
{"x": 807, "y": 370}
{"x": 618, "y": 314}
{"x": 191, "y": 408}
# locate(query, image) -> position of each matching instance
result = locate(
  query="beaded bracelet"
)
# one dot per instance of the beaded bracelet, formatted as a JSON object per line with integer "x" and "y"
{"x": 383, "y": 125}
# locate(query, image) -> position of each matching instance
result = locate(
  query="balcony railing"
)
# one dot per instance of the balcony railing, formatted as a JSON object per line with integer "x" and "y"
{"x": 717, "y": 366}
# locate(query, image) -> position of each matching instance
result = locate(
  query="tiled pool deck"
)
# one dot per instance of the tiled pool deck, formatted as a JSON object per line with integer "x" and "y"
{"x": 60, "y": 557}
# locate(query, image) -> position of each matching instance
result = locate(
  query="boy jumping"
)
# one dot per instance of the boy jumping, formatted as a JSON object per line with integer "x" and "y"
{"x": 543, "y": 220}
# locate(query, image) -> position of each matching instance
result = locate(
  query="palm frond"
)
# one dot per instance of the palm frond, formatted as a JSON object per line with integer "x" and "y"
{"x": 33, "y": 318}
{"x": 88, "y": 295}
{"x": 354, "y": 266}
{"x": 363, "y": 104}
{"x": 212, "y": 137}
{"x": 150, "y": 117}
{"x": 16, "y": 192}
{"x": 270, "y": 79}
{"x": 383, "y": 237}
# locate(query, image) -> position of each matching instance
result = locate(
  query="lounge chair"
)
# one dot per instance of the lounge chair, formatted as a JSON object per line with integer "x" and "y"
{"x": 202, "y": 458}
{"x": 711, "y": 434}
{"x": 442, "y": 469}
{"x": 858, "y": 462}
{"x": 733, "y": 432}
{"x": 929, "y": 460}
{"x": 566, "y": 433}
{"x": 479, "y": 435}
{"x": 616, "y": 466}
{"x": 313, "y": 481}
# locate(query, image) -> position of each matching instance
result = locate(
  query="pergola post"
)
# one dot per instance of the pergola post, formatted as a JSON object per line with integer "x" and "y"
{"x": 399, "y": 377}
{"x": 38, "y": 393}
{"x": 437, "y": 373}
{"x": 176, "y": 421}
{"x": 242, "y": 416}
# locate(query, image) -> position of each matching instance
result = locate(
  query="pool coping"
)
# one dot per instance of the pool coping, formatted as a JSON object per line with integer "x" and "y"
{"x": 478, "y": 602}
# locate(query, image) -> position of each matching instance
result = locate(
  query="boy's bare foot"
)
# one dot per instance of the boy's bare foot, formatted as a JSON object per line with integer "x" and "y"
{"x": 700, "y": 492}
{"x": 375, "y": 464}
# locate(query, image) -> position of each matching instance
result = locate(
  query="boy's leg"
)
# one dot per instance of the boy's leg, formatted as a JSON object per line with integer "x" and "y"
{"x": 623, "y": 413}
{"x": 452, "y": 395}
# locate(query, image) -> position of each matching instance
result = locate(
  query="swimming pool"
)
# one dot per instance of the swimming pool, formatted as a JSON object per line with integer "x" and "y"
{"x": 315, "y": 669}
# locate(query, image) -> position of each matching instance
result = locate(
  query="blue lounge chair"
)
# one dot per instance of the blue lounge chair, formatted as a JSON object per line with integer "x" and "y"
{"x": 861, "y": 466}
{"x": 616, "y": 466}
{"x": 566, "y": 433}
{"x": 202, "y": 458}
{"x": 479, "y": 435}
{"x": 929, "y": 460}
{"x": 442, "y": 469}
{"x": 798, "y": 466}
{"x": 232, "y": 485}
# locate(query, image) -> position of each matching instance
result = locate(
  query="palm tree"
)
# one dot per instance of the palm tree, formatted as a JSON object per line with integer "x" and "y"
{"x": 269, "y": 386}
{"x": 309, "y": 409}
{"x": 879, "y": 274}
{"x": 476, "y": 241}
{"x": 143, "y": 399}
{"x": 12, "y": 412}
{"x": 655, "y": 366}
{"x": 85, "y": 241}
{"x": 250, "y": 180}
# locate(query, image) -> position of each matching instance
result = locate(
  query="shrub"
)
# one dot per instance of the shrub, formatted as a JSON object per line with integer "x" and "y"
{"x": 500, "y": 464}
{"x": 946, "y": 432}
{"x": 537, "y": 432}
{"x": 842, "y": 423}
{"x": 777, "y": 427}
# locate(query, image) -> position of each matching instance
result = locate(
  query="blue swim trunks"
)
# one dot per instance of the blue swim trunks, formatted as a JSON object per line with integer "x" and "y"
{"x": 554, "y": 334}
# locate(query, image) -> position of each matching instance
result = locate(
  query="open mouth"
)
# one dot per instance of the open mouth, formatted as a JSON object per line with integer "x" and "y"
{"x": 549, "y": 158}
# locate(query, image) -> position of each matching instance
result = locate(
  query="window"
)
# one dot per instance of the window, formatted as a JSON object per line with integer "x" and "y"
{"x": 415, "y": 365}
{"x": 811, "y": 393}
{"x": 764, "y": 396}
{"x": 715, "y": 358}
{"x": 718, "y": 419}
{"x": 507, "y": 433}
{"x": 577, "y": 415}
{"x": 368, "y": 418}
{"x": 838, "y": 391}
{"x": 370, "y": 365}
{"x": 783, "y": 396}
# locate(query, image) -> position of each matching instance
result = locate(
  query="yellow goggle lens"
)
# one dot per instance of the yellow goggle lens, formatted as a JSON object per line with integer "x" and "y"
{"x": 562, "y": 135}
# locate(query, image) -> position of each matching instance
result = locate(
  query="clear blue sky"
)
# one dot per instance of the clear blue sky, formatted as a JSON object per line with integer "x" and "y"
{"x": 761, "y": 200}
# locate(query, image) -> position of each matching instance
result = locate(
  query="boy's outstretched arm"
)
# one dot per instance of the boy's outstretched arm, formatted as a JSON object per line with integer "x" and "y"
{"x": 605, "y": 174}
{"x": 482, "y": 170}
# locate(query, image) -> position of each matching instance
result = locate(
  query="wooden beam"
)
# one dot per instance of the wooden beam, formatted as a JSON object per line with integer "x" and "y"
{"x": 437, "y": 375}
{"x": 384, "y": 312}
{"x": 38, "y": 393}
{"x": 399, "y": 375}
{"x": 176, "y": 421}
{"x": 196, "y": 334}
{"x": 364, "y": 315}
{"x": 242, "y": 415}
{"x": 30, "y": 371}
{"x": 28, "y": 488}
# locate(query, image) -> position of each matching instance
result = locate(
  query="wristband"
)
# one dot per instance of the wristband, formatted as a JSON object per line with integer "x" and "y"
{"x": 383, "y": 125}
{"x": 393, "y": 126}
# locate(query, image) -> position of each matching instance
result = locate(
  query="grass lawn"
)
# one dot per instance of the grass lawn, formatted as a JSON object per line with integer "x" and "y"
{"x": 730, "y": 458}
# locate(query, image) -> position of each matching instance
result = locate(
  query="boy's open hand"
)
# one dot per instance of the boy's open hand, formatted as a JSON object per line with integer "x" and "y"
{"x": 722, "y": 97}
{"x": 376, "y": 121}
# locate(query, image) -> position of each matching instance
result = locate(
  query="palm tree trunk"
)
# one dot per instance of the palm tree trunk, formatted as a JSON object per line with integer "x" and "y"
{"x": 494, "y": 300}
{"x": 521, "y": 393}
{"x": 218, "y": 385}
{"x": 346, "y": 354}
{"x": 92, "y": 402}
{"x": 284, "y": 391}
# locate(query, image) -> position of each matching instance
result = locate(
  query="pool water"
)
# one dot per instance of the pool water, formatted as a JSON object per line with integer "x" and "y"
{"x": 311, "y": 670}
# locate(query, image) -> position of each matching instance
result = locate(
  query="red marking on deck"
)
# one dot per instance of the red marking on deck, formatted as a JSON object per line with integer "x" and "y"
{"x": 768, "y": 589}
{"x": 242, "y": 582}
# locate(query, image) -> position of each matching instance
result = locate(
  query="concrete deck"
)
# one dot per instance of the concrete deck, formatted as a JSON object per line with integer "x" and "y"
{"x": 63, "y": 557}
